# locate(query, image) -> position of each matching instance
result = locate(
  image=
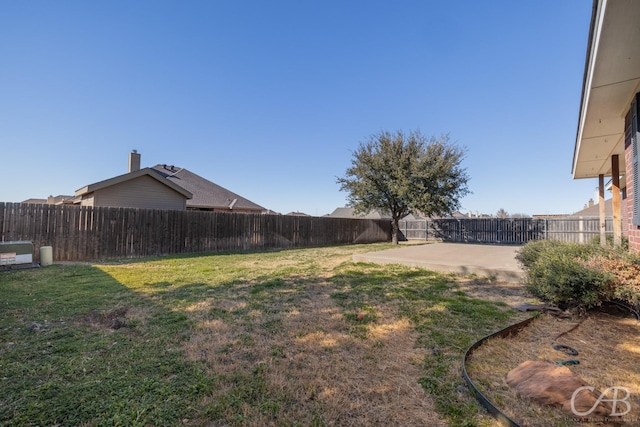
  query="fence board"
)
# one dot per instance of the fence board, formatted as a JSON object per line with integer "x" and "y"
{"x": 504, "y": 230}
{"x": 85, "y": 233}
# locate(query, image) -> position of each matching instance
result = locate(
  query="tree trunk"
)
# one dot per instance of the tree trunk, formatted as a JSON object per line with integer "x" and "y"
{"x": 395, "y": 228}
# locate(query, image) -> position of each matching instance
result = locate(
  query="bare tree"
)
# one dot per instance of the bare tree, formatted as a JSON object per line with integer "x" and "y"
{"x": 502, "y": 213}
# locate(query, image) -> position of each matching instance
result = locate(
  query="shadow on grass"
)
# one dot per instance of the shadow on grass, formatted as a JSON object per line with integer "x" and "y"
{"x": 62, "y": 364}
{"x": 234, "y": 345}
{"x": 367, "y": 247}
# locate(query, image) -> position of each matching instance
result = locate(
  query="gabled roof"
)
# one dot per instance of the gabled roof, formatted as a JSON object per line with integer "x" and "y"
{"x": 595, "y": 210}
{"x": 206, "y": 194}
{"x": 129, "y": 176}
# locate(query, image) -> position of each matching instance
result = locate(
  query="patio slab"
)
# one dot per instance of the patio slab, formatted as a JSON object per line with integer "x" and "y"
{"x": 493, "y": 261}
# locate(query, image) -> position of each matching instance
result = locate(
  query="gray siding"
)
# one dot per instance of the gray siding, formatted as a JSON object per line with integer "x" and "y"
{"x": 141, "y": 192}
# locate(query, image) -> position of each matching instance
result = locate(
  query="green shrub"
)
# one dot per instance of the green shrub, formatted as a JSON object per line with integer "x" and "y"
{"x": 624, "y": 242}
{"x": 558, "y": 273}
{"x": 581, "y": 276}
{"x": 529, "y": 254}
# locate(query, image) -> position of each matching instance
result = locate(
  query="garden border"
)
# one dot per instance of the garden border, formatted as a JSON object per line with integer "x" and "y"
{"x": 481, "y": 398}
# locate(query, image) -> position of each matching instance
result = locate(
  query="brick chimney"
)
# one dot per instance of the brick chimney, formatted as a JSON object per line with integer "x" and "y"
{"x": 134, "y": 161}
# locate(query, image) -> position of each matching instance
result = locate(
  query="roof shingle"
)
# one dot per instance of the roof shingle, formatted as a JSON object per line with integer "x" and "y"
{"x": 206, "y": 194}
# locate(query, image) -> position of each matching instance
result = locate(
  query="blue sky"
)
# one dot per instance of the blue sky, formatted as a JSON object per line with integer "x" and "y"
{"x": 269, "y": 99}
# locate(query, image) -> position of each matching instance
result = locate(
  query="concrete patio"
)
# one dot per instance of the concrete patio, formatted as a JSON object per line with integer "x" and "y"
{"x": 493, "y": 261}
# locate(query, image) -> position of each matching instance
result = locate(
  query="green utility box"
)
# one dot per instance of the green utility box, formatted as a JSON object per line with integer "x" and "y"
{"x": 16, "y": 253}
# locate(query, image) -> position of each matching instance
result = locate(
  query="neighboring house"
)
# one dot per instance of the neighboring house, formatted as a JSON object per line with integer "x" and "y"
{"x": 296, "y": 213}
{"x": 348, "y": 212}
{"x": 52, "y": 200}
{"x": 206, "y": 195}
{"x": 35, "y": 201}
{"x": 142, "y": 188}
{"x": 607, "y": 136}
{"x": 412, "y": 217}
{"x": 163, "y": 187}
{"x": 593, "y": 210}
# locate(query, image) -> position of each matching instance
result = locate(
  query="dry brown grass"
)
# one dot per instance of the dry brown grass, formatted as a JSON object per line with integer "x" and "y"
{"x": 280, "y": 341}
{"x": 609, "y": 351}
{"x": 315, "y": 361}
{"x": 510, "y": 293}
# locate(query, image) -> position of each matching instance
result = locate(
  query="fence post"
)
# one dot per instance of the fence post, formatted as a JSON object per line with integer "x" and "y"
{"x": 580, "y": 230}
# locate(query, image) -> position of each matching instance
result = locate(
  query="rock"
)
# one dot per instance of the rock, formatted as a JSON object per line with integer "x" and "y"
{"x": 550, "y": 384}
{"x": 35, "y": 327}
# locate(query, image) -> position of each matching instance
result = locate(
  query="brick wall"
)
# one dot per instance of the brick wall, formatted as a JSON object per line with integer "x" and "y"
{"x": 628, "y": 229}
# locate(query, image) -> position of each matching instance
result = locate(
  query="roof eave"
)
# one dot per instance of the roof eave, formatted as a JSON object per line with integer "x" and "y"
{"x": 611, "y": 79}
{"x": 129, "y": 176}
{"x": 588, "y": 67}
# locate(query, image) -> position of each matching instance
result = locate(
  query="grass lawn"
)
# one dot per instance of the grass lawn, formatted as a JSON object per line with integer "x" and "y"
{"x": 298, "y": 337}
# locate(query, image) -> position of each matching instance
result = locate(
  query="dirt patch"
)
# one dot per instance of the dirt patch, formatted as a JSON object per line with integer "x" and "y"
{"x": 512, "y": 294}
{"x": 111, "y": 319}
{"x": 608, "y": 353}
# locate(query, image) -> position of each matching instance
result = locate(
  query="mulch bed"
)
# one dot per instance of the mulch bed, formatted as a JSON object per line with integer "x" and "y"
{"x": 608, "y": 345}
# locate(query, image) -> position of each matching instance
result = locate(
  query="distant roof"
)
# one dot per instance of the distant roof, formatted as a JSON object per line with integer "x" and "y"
{"x": 206, "y": 194}
{"x": 348, "y": 212}
{"x": 296, "y": 213}
{"x": 129, "y": 176}
{"x": 412, "y": 217}
{"x": 52, "y": 200}
{"x": 595, "y": 210}
{"x": 35, "y": 201}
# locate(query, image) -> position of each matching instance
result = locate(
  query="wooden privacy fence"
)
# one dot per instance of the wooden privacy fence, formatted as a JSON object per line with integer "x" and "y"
{"x": 576, "y": 230}
{"x": 84, "y": 233}
{"x": 505, "y": 230}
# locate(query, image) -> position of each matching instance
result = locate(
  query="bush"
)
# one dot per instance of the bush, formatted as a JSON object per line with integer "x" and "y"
{"x": 624, "y": 242}
{"x": 625, "y": 269}
{"x": 558, "y": 273}
{"x": 529, "y": 254}
{"x": 579, "y": 276}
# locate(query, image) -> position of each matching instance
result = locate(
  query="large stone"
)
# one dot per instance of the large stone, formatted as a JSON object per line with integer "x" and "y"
{"x": 550, "y": 384}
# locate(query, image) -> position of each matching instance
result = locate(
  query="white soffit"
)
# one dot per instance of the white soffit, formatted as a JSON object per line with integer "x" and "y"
{"x": 612, "y": 79}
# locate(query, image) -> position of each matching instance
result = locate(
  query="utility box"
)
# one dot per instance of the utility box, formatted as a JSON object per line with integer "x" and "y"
{"x": 16, "y": 254}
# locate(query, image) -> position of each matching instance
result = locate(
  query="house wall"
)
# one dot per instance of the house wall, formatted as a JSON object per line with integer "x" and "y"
{"x": 141, "y": 192}
{"x": 87, "y": 200}
{"x": 628, "y": 229}
{"x": 246, "y": 211}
